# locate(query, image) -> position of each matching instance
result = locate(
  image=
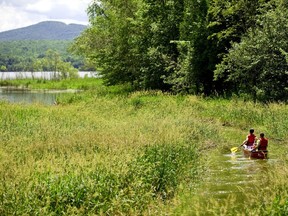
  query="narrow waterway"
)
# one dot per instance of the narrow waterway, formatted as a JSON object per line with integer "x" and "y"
{"x": 229, "y": 177}
{"x": 232, "y": 174}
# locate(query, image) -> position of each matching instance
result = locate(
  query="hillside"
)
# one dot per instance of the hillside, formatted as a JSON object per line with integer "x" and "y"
{"x": 21, "y": 48}
{"x": 47, "y": 30}
{"x": 22, "y": 54}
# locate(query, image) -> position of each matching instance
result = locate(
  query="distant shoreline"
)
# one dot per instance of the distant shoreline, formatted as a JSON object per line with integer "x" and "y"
{"x": 8, "y": 75}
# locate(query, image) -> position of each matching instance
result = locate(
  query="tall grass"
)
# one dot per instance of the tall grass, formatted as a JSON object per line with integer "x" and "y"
{"x": 71, "y": 83}
{"x": 110, "y": 151}
{"x": 91, "y": 157}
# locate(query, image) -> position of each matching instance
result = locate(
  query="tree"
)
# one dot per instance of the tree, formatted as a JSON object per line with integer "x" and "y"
{"x": 109, "y": 42}
{"x": 130, "y": 40}
{"x": 20, "y": 55}
{"x": 160, "y": 22}
{"x": 192, "y": 74}
{"x": 53, "y": 59}
{"x": 3, "y": 68}
{"x": 228, "y": 21}
{"x": 258, "y": 64}
{"x": 53, "y": 62}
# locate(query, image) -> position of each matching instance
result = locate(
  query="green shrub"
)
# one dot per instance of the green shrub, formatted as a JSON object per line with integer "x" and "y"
{"x": 162, "y": 167}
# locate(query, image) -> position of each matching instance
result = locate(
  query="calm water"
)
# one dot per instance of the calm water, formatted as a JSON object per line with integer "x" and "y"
{"x": 22, "y": 96}
{"x": 231, "y": 175}
{"x": 15, "y": 95}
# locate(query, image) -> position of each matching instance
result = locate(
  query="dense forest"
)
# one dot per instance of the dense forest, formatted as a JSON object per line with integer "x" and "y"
{"x": 30, "y": 55}
{"x": 207, "y": 47}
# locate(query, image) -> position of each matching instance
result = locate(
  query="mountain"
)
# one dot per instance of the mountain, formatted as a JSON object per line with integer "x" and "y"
{"x": 47, "y": 30}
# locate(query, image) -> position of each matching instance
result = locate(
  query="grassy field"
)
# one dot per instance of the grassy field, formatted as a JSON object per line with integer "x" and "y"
{"x": 110, "y": 151}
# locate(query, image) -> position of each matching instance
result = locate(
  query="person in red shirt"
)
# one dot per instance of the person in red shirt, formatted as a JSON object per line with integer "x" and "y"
{"x": 262, "y": 143}
{"x": 250, "y": 141}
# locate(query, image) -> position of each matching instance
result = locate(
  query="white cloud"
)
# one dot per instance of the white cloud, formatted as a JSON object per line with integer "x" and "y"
{"x": 20, "y": 13}
{"x": 61, "y": 7}
{"x": 42, "y": 6}
{"x": 12, "y": 18}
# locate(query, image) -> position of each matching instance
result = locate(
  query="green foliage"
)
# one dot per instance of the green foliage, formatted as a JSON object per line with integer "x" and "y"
{"x": 106, "y": 45}
{"x": 143, "y": 57}
{"x": 3, "y": 68}
{"x": 258, "y": 65}
{"x": 160, "y": 22}
{"x": 25, "y": 55}
{"x": 228, "y": 21}
{"x": 183, "y": 46}
{"x": 192, "y": 74}
{"x": 53, "y": 62}
{"x": 161, "y": 168}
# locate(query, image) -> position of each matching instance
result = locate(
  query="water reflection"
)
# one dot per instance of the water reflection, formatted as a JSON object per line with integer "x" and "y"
{"x": 16, "y": 96}
{"x": 231, "y": 174}
{"x": 22, "y": 95}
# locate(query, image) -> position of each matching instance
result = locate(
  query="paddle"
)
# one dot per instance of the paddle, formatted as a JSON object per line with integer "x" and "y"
{"x": 235, "y": 149}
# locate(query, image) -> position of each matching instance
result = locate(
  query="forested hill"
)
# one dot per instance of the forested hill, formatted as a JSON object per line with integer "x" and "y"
{"x": 47, "y": 30}
{"x": 27, "y": 49}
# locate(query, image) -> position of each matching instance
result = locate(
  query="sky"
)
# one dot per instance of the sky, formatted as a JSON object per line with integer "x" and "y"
{"x": 21, "y": 13}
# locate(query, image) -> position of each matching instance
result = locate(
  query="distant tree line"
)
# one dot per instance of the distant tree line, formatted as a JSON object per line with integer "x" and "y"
{"x": 24, "y": 55}
{"x": 210, "y": 47}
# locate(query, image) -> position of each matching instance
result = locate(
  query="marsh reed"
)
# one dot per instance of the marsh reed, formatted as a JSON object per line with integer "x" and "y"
{"x": 110, "y": 151}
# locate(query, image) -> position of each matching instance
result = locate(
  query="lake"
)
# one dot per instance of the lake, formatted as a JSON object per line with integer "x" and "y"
{"x": 22, "y": 95}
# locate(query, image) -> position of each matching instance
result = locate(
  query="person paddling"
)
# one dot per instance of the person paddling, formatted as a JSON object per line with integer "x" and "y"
{"x": 249, "y": 142}
{"x": 262, "y": 143}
